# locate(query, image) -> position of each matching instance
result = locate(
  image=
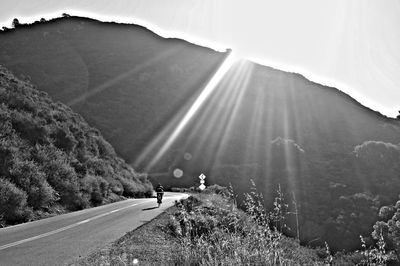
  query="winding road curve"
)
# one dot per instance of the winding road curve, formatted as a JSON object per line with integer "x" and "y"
{"x": 62, "y": 239}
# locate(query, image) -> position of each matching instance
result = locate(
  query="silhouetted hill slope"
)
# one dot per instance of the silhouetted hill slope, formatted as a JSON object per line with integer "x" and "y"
{"x": 123, "y": 79}
{"x": 51, "y": 159}
{"x": 338, "y": 158}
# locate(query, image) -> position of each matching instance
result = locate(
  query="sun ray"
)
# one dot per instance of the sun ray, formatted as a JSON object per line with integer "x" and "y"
{"x": 244, "y": 74}
{"x": 158, "y": 58}
{"x": 288, "y": 150}
{"x": 257, "y": 122}
{"x": 216, "y": 115}
{"x": 269, "y": 134}
{"x": 194, "y": 108}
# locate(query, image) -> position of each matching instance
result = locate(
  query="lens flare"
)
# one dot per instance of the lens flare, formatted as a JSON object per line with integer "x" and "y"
{"x": 187, "y": 156}
{"x": 178, "y": 173}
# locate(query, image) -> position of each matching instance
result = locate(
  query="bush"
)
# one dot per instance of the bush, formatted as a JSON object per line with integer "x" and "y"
{"x": 64, "y": 140}
{"x": 105, "y": 148}
{"x": 15, "y": 23}
{"x": 217, "y": 189}
{"x": 13, "y": 203}
{"x": 62, "y": 177}
{"x": 30, "y": 129}
{"x": 388, "y": 230}
{"x": 28, "y": 176}
{"x": 135, "y": 189}
{"x": 95, "y": 188}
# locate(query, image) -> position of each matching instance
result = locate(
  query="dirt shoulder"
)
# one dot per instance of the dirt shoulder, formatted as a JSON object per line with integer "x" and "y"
{"x": 149, "y": 244}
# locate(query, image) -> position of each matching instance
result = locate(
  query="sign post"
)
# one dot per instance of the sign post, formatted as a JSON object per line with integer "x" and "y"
{"x": 202, "y": 177}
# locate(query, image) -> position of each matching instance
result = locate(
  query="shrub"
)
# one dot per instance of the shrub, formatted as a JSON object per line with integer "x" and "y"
{"x": 135, "y": 189}
{"x": 105, "y": 148}
{"x": 95, "y": 188}
{"x": 15, "y": 23}
{"x": 216, "y": 189}
{"x": 30, "y": 129}
{"x": 64, "y": 140}
{"x": 98, "y": 167}
{"x": 28, "y": 176}
{"x": 388, "y": 230}
{"x": 62, "y": 177}
{"x": 13, "y": 203}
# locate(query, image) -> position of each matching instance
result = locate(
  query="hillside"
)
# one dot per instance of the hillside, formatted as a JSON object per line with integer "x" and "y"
{"x": 337, "y": 158}
{"x": 51, "y": 160}
{"x": 123, "y": 79}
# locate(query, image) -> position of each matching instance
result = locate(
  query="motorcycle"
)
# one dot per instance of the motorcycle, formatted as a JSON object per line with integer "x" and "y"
{"x": 159, "y": 198}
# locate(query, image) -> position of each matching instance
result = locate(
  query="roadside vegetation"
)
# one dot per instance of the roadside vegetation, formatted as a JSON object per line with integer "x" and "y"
{"x": 209, "y": 229}
{"x": 213, "y": 231}
{"x": 52, "y": 161}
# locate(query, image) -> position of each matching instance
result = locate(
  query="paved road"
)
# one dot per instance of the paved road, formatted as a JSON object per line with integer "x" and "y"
{"x": 64, "y": 238}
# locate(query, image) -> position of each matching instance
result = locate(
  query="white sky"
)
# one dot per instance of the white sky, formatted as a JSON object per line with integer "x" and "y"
{"x": 352, "y": 45}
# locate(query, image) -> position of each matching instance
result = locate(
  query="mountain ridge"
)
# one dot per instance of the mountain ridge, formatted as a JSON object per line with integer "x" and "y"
{"x": 157, "y": 34}
{"x": 328, "y": 86}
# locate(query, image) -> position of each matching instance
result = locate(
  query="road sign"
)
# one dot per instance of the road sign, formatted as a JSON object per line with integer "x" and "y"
{"x": 202, "y": 177}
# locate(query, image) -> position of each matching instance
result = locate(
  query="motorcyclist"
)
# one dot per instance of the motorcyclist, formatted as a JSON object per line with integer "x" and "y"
{"x": 160, "y": 193}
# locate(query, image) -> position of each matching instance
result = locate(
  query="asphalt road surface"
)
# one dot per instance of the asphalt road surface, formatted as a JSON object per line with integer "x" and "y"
{"x": 62, "y": 239}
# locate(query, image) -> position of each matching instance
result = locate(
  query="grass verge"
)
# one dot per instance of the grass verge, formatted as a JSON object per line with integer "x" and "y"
{"x": 150, "y": 244}
{"x": 167, "y": 240}
{"x": 209, "y": 229}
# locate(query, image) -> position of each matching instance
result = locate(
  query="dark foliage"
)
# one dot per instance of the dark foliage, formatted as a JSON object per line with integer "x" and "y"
{"x": 15, "y": 23}
{"x": 388, "y": 226}
{"x": 13, "y": 205}
{"x": 49, "y": 156}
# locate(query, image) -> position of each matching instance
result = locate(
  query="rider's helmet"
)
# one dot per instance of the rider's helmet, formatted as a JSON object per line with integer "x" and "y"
{"x": 159, "y": 188}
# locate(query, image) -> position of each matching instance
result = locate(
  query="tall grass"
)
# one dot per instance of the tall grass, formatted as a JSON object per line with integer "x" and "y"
{"x": 213, "y": 231}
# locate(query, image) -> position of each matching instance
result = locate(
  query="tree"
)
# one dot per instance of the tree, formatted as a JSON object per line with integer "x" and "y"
{"x": 42, "y": 20}
{"x": 398, "y": 116}
{"x": 65, "y": 15}
{"x": 15, "y": 23}
{"x": 389, "y": 228}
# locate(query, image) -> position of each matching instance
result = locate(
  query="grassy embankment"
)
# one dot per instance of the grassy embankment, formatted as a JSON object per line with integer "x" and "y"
{"x": 207, "y": 229}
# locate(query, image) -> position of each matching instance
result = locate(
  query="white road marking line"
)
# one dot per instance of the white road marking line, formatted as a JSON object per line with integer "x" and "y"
{"x": 64, "y": 228}
{"x": 71, "y": 213}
